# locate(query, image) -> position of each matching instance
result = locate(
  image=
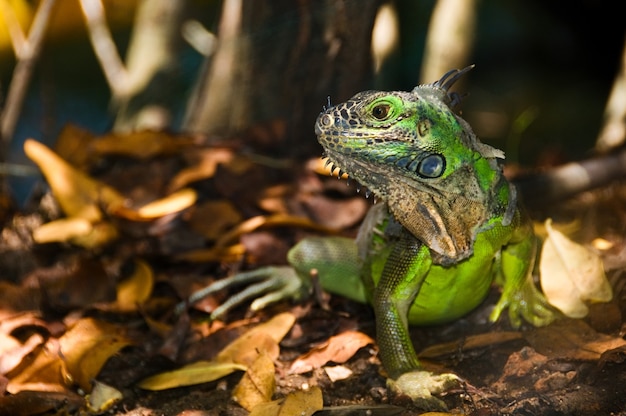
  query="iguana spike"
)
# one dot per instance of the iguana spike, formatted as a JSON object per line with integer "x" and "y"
{"x": 452, "y": 76}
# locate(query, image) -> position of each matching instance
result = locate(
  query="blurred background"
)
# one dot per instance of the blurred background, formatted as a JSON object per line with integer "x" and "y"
{"x": 544, "y": 70}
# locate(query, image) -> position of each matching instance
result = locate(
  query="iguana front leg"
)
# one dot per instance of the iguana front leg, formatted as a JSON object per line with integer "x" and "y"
{"x": 334, "y": 259}
{"x": 402, "y": 277}
{"x": 519, "y": 292}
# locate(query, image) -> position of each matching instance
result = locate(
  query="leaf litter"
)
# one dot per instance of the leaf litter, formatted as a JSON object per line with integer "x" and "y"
{"x": 100, "y": 293}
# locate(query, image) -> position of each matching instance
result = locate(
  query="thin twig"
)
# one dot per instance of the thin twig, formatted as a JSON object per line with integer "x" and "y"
{"x": 26, "y": 60}
{"x": 104, "y": 46}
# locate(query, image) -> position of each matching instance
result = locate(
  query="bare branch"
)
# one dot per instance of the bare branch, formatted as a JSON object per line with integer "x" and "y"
{"x": 152, "y": 52}
{"x": 22, "y": 73}
{"x": 104, "y": 47}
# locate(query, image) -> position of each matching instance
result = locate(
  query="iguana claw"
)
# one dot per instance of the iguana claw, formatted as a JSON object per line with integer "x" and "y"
{"x": 268, "y": 285}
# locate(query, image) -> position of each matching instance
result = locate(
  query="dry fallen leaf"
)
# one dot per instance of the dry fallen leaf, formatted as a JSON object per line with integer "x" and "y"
{"x": 86, "y": 347}
{"x": 258, "y": 383}
{"x": 42, "y": 370}
{"x": 143, "y": 144}
{"x": 77, "y": 194}
{"x": 571, "y": 339}
{"x": 102, "y": 397}
{"x": 301, "y": 403}
{"x": 175, "y": 202}
{"x": 571, "y": 274}
{"x": 262, "y": 338}
{"x": 136, "y": 289}
{"x": 338, "y": 349}
{"x": 205, "y": 168}
{"x": 196, "y": 373}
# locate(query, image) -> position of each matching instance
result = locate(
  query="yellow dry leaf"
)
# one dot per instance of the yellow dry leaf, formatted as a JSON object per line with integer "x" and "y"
{"x": 571, "y": 274}
{"x": 262, "y": 338}
{"x": 101, "y": 233}
{"x": 136, "y": 289}
{"x": 172, "y": 203}
{"x": 196, "y": 373}
{"x": 62, "y": 230}
{"x": 339, "y": 349}
{"x": 230, "y": 254}
{"x": 301, "y": 403}
{"x": 77, "y": 194}
{"x": 86, "y": 347}
{"x": 258, "y": 383}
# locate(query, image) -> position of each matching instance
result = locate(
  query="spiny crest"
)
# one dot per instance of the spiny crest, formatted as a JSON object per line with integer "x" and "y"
{"x": 440, "y": 89}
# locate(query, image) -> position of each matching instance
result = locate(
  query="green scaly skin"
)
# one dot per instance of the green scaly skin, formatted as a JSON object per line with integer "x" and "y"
{"x": 447, "y": 224}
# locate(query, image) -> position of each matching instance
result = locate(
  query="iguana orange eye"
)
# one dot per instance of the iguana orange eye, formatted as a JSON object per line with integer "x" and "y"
{"x": 381, "y": 111}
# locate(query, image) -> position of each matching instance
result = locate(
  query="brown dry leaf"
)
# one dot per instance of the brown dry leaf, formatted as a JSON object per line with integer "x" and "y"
{"x": 204, "y": 169}
{"x": 339, "y": 349}
{"x": 86, "y": 347}
{"x": 221, "y": 214}
{"x": 277, "y": 220}
{"x": 301, "y": 403}
{"x": 136, "y": 289}
{"x": 258, "y": 383}
{"x": 40, "y": 403}
{"x": 140, "y": 144}
{"x": 196, "y": 373}
{"x": 42, "y": 370}
{"x": 77, "y": 194}
{"x": 571, "y": 339}
{"x": 12, "y": 351}
{"x": 262, "y": 338}
{"x": 230, "y": 254}
{"x": 14, "y": 298}
{"x": 71, "y": 144}
{"x": 571, "y": 274}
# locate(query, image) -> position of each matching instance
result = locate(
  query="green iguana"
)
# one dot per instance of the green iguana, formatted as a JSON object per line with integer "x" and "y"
{"x": 447, "y": 224}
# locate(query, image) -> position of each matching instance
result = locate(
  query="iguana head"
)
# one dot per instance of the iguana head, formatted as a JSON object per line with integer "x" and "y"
{"x": 415, "y": 153}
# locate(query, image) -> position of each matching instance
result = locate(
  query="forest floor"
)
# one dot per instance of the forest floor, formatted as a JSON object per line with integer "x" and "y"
{"x": 88, "y": 318}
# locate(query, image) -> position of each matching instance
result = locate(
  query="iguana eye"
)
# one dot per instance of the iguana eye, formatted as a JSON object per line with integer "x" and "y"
{"x": 431, "y": 166}
{"x": 381, "y": 111}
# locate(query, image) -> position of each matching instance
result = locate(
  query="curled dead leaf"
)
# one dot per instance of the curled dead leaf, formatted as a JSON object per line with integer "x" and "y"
{"x": 77, "y": 193}
{"x": 86, "y": 347}
{"x": 339, "y": 349}
{"x": 571, "y": 274}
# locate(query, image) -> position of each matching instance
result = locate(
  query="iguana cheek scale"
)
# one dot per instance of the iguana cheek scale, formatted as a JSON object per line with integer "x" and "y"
{"x": 446, "y": 225}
